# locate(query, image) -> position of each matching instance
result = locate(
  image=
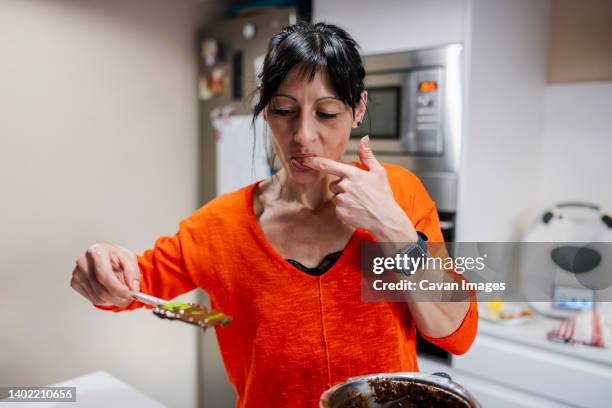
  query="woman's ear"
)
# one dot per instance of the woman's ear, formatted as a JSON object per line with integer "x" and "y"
{"x": 361, "y": 109}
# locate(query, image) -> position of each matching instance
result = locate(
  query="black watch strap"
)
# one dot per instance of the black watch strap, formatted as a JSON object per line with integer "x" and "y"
{"x": 422, "y": 239}
{"x": 415, "y": 250}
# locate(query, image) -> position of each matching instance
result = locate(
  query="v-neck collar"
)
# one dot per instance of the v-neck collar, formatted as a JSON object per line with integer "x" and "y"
{"x": 276, "y": 257}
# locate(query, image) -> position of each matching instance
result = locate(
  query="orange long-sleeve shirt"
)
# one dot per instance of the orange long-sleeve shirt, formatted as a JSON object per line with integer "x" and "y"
{"x": 293, "y": 335}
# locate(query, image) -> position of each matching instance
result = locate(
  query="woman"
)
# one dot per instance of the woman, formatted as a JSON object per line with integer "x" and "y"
{"x": 281, "y": 256}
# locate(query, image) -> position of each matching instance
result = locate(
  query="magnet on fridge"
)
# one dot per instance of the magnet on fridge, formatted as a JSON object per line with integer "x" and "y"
{"x": 249, "y": 30}
{"x": 214, "y": 83}
{"x": 219, "y": 81}
{"x": 205, "y": 92}
{"x": 212, "y": 52}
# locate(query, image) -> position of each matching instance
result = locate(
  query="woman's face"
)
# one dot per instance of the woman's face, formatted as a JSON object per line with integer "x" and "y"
{"x": 307, "y": 119}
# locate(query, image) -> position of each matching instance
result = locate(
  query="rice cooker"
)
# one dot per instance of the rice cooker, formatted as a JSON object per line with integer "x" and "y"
{"x": 565, "y": 260}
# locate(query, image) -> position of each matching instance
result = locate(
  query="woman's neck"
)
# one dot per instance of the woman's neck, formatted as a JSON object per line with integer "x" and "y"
{"x": 311, "y": 196}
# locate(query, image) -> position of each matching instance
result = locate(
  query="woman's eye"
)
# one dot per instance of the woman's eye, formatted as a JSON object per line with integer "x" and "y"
{"x": 324, "y": 115}
{"x": 283, "y": 112}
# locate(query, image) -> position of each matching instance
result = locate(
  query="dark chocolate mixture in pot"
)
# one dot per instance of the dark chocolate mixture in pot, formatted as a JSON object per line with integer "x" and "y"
{"x": 407, "y": 395}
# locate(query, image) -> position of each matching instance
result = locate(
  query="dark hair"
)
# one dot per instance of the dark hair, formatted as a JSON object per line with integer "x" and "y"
{"x": 313, "y": 47}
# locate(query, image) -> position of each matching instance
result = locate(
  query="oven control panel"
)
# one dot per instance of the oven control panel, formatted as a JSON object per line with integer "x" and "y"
{"x": 424, "y": 135}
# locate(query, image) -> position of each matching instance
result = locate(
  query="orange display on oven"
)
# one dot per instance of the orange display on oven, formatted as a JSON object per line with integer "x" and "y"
{"x": 428, "y": 86}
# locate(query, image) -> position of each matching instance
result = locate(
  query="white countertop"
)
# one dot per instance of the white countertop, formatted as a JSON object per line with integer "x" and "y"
{"x": 95, "y": 390}
{"x": 534, "y": 333}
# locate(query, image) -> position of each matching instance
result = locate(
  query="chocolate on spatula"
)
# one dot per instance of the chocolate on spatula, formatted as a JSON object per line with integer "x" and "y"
{"x": 192, "y": 313}
{"x": 186, "y": 312}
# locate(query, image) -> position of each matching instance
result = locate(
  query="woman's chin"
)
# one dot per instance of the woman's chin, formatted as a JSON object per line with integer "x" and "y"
{"x": 303, "y": 176}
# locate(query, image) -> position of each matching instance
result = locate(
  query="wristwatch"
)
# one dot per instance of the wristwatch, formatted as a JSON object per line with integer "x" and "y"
{"x": 415, "y": 250}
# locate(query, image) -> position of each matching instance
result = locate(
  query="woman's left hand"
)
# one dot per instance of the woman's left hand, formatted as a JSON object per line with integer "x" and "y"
{"x": 364, "y": 199}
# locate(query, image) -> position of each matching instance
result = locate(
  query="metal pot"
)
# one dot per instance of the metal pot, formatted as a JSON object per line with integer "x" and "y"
{"x": 365, "y": 391}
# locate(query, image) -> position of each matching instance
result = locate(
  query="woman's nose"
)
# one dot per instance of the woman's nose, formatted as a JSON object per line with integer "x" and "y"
{"x": 305, "y": 131}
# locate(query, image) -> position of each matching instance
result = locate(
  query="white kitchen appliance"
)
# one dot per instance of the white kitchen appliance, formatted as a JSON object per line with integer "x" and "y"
{"x": 565, "y": 260}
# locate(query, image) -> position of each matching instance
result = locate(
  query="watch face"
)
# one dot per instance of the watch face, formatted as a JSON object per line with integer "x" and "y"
{"x": 415, "y": 252}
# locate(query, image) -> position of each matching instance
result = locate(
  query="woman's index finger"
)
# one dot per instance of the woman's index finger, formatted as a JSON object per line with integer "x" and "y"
{"x": 331, "y": 166}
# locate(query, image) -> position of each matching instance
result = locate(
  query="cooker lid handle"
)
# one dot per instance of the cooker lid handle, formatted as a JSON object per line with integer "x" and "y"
{"x": 443, "y": 375}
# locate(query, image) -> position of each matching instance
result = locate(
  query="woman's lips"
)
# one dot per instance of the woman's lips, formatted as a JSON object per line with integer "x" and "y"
{"x": 298, "y": 164}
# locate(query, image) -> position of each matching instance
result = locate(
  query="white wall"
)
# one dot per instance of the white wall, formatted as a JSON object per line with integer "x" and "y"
{"x": 577, "y": 145}
{"x": 500, "y": 180}
{"x": 98, "y": 141}
{"x": 396, "y": 25}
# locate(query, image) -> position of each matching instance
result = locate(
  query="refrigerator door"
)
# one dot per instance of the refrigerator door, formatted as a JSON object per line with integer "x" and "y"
{"x": 230, "y": 53}
{"x": 228, "y": 79}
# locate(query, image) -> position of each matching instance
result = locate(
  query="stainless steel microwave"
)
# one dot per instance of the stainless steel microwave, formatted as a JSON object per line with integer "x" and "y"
{"x": 414, "y": 115}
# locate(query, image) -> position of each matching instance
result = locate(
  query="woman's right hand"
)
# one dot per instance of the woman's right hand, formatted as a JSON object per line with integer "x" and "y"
{"x": 101, "y": 275}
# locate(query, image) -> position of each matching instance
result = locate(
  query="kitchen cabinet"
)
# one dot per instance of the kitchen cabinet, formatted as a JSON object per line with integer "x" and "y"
{"x": 487, "y": 392}
{"x": 516, "y": 366}
{"x": 580, "y": 41}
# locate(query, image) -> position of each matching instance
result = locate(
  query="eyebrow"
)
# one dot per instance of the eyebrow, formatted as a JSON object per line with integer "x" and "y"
{"x": 319, "y": 99}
